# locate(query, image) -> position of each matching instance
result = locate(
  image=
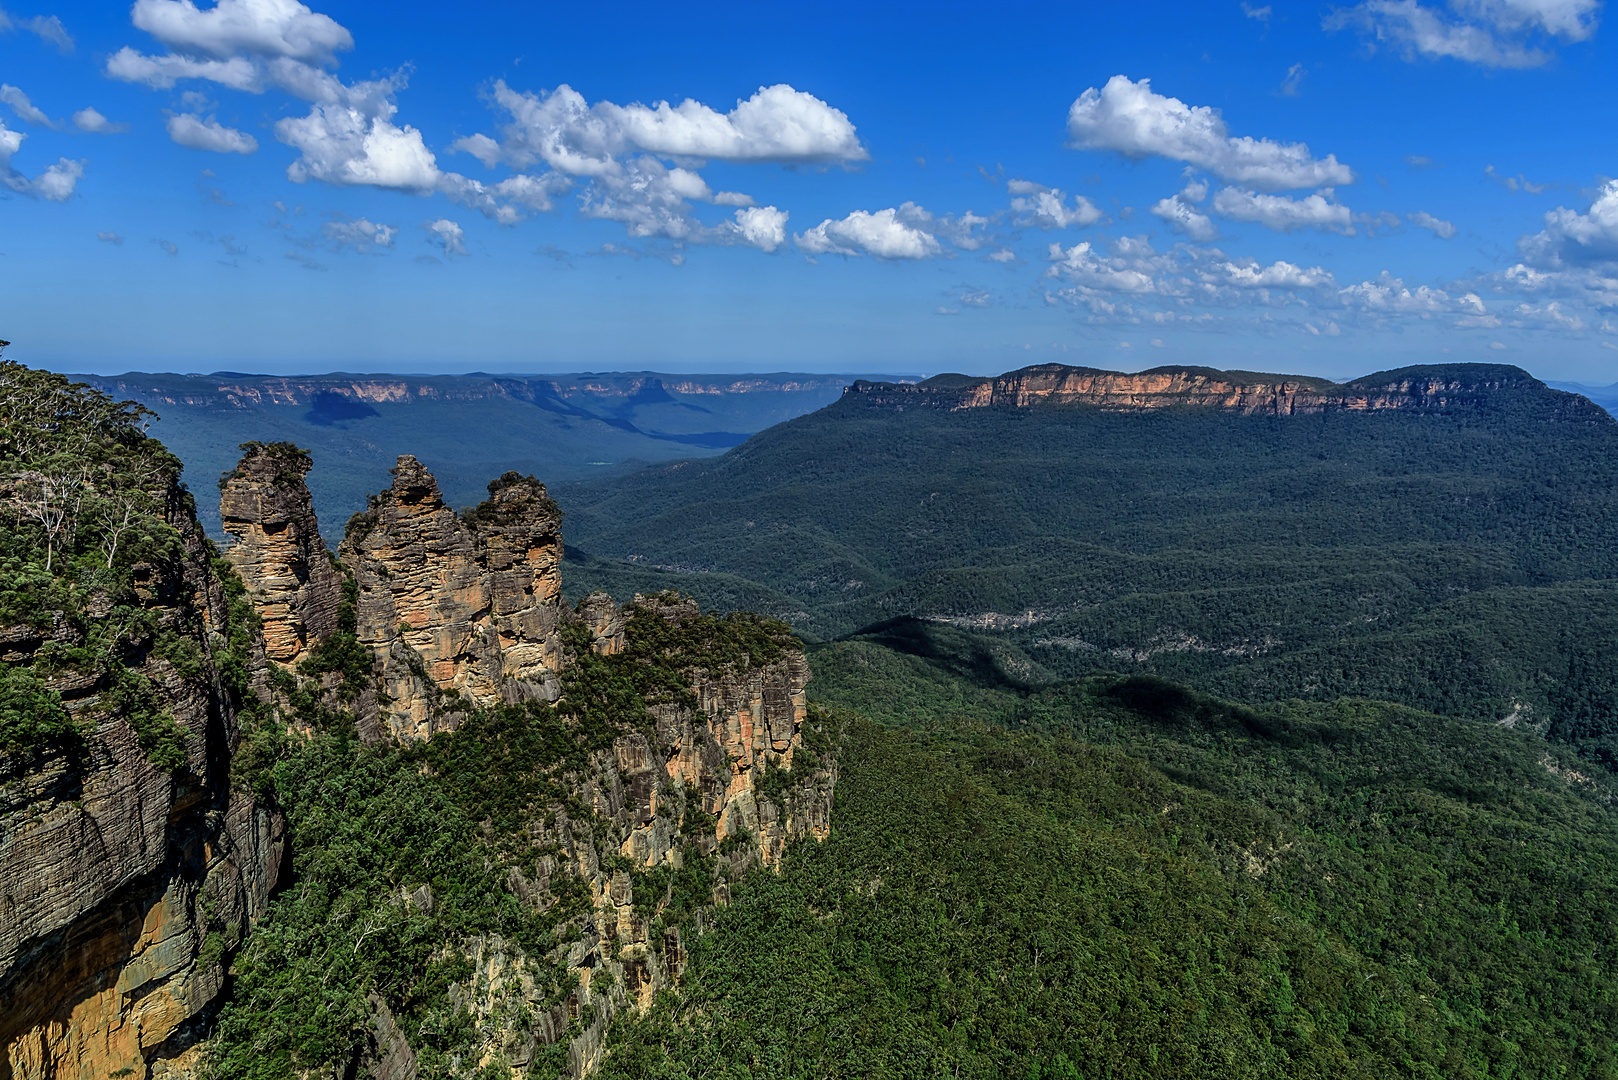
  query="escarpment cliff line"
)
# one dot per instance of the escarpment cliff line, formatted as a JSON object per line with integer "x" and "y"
{"x": 1458, "y": 386}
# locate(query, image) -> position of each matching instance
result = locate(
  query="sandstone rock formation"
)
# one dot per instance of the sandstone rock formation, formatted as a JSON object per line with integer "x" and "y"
{"x": 266, "y": 506}
{"x": 709, "y": 776}
{"x": 124, "y": 885}
{"x": 450, "y": 605}
{"x": 1460, "y": 386}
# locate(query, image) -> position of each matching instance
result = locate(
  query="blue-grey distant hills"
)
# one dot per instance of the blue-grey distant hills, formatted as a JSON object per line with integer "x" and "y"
{"x": 1605, "y": 396}
{"x": 466, "y": 428}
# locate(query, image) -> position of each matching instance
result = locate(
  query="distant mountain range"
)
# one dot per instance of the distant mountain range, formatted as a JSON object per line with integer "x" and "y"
{"x": 466, "y": 428}
{"x": 1605, "y": 396}
{"x": 1444, "y": 537}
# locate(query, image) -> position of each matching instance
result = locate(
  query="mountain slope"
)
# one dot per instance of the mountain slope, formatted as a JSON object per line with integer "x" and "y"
{"x": 1444, "y": 537}
{"x": 1139, "y": 881}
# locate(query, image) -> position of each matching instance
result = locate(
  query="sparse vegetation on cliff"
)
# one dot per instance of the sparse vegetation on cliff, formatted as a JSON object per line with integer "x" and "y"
{"x": 84, "y": 547}
{"x": 460, "y": 818}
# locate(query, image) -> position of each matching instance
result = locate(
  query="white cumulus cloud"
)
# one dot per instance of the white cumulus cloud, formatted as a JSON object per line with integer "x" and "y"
{"x": 1130, "y": 118}
{"x": 882, "y": 234}
{"x": 447, "y": 234}
{"x": 1317, "y": 211}
{"x": 1046, "y": 208}
{"x": 1278, "y": 275}
{"x": 1440, "y": 228}
{"x": 268, "y": 28}
{"x": 1181, "y": 213}
{"x": 25, "y": 109}
{"x": 199, "y": 134}
{"x": 763, "y": 227}
{"x": 345, "y": 145}
{"x": 1388, "y": 295}
{"x": 90, "y": 119}
{"x": 778, "y": 123}
{"x": 1570, "y": 237}
{"x": 56, "y": 184}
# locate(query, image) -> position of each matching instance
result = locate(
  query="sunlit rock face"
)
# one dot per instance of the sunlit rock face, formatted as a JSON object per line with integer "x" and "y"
{"x": 265, "y": 505}
{"x": 124, "y": 886}
{"x": 1459, "y": 387}
{"x": 469, "y": 606}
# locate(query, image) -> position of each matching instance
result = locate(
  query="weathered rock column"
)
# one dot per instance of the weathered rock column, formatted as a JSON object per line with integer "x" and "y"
{"x": 265, "y": 505}
{"x": 469, "y": 606}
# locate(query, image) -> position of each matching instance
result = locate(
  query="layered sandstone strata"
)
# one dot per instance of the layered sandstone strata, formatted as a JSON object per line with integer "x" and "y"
{"x": 450, "y": 605}
{"x": 266, "y": 506}
{"x": 1461, "y": 386}
{"x": 124, "y": 886}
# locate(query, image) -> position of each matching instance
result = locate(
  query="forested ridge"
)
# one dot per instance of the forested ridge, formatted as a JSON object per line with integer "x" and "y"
{"x": 1459, "y": 559}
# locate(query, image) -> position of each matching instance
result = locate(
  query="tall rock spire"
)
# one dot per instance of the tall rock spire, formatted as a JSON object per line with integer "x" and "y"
{"x": 447, "y": 604}
{"x": 265, "y": 504}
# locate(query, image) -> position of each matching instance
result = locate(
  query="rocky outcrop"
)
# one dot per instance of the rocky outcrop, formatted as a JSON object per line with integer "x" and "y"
{"x": 124, "y": 885}
{"x": 461, "y": 606}
{"x": 1459, "y": 386}
{"x": 730, "y": 781}
{"x": 265, "y": 505}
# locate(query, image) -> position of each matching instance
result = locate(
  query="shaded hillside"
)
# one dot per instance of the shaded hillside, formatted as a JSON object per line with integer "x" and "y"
{"x": 1454, "y": 551}
{"x": 465, "y": 427}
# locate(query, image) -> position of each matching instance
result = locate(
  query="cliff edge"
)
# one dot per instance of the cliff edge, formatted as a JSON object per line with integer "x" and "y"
{"x": 1429, "y": 388}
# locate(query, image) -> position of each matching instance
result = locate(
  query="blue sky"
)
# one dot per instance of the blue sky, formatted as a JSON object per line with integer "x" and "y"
{"x": 264, "y": 185}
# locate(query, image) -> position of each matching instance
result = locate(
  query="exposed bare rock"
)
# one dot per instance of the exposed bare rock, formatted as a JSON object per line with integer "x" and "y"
{"x": 1458, "y": 387}
{"x": 605, "y": 621}
{"x": 123, "y": 885}
{"x": 471, "y": 606}
{"x": 266, "y": 506}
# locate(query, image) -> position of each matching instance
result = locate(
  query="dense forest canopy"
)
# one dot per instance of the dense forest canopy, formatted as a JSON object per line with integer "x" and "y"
{"x": 1458, "y": 559}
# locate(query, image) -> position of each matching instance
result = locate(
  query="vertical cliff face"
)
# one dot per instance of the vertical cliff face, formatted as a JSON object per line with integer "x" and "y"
{"x": 265, "y": 505}
{"x": 724, "y": 778}
{"x": 125, "y": 881}
{"x": 1448, "y": 388}
{"x": 449, "y": 605}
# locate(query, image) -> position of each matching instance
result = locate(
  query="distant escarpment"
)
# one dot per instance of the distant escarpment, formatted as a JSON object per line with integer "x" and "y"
{"x": 1457, "y": 386}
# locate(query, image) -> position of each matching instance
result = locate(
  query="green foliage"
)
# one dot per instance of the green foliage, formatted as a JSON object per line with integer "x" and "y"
{"x": 132, "y": 697}
{"x": 666, "y": 637}
{"x": 1459, "y": 560}
{"x": 1145, "y": 881}
{"x": 84, "y": 537}
{"x": 495, "y": 511}
{"x": 295, "y": 462}
{"x": 368, "y": 827}
{"x": 341, "y": 651}
{"x": 31, "y": 713}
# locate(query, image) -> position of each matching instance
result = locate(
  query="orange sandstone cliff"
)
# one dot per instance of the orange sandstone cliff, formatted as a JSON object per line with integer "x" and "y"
{"x": 1460, "y": 386}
